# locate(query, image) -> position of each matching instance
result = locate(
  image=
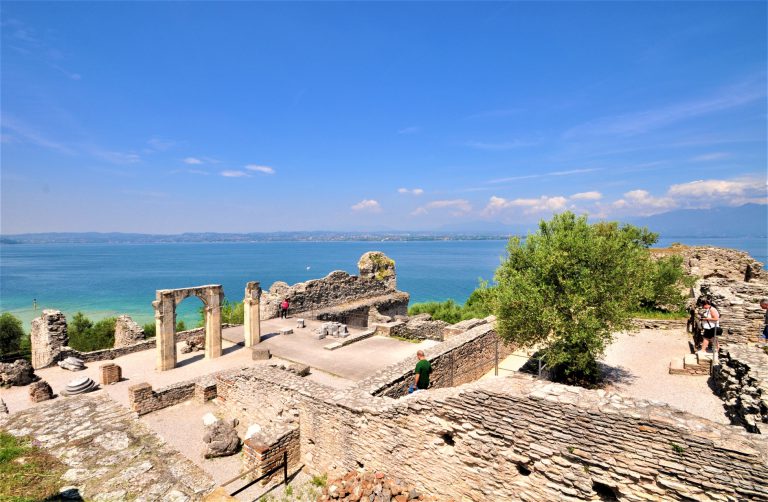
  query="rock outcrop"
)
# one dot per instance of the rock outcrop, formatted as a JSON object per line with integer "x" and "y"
{"x": 48, "y": 338}
{"x": 221, "y": 439}
{"x": 18, "y": 373}
{"x": 127, "y": 332}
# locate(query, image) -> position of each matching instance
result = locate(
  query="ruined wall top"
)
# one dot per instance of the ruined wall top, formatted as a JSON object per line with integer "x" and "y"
{"x": 707, "y": 262}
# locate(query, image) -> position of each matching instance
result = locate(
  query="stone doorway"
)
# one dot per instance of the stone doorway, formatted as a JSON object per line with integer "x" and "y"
{"x": 165, "y": 304}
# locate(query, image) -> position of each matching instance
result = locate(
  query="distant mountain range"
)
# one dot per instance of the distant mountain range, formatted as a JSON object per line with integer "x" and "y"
{"x": 749, "y": 220}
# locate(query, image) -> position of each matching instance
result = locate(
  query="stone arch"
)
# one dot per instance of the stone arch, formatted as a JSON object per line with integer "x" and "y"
{"x": 165, "y": 304}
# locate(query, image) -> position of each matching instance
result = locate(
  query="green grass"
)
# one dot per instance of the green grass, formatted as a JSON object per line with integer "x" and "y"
{"x": 658, "y": 314}
{"x": 319, "y": 480}
{"x": 27, "y": 472}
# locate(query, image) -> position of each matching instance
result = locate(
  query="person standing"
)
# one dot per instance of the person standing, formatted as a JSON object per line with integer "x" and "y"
{"x": 421, "y": 373}
{"x": 710, "y": 321}
{"x": 764, "y": 306}
{"x": 284, "y": 309}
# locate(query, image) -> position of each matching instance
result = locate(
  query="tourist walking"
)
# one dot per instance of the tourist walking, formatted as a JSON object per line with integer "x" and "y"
{"x": 421, "y": 373}
{"x": 284, "y": 309}
{"x": 764, "y": 306}
{"x": 710, "y": 321}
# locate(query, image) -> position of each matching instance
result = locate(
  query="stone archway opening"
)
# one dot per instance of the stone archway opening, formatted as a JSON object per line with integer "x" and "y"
{"x": 166, "y": 301}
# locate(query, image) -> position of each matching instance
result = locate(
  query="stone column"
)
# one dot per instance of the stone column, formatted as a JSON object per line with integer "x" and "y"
{"x": 48, "y": 338}
{"x": 213, "y": 323}
{"x": 252, "y": 317}
{"x": 165, "y": 329}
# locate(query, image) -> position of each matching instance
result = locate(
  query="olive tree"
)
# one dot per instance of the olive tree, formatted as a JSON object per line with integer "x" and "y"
{"x": 567, "y": 287}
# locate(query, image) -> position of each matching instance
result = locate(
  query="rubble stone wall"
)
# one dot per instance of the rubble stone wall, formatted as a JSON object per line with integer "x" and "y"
{"x": 464, "y": 358}
{"x": 738, "y": 304}
{"x": 48, "y": 338}
{"x": 517, "y": 438}
{"x": 127, "y": 331}
{"x": 741, "y": 380}
{"x": 376, "y": 277}
{"x": 358, "y": 313}
{"x": 142, "y": 399}
{"x": 268, "y": 449}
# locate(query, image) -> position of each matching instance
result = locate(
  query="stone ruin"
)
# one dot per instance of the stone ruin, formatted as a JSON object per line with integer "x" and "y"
{"x": 40, "y": 391}
{"x": 335, "y": 329}
{"x": 340, "y": 295}
{"x": 3, "y": 407}
{"x": 193, "y": 344}
{"x": 48, "y": 338}
{"x": 127, "y": 331}
{"x": 18, "y": 373}
{"x": 72, "y": 363}
{"x": 79, "y": 386}
{"x": 221, "y": 438}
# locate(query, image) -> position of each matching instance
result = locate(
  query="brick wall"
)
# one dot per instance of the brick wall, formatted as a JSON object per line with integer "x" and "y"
{"x": 267, "y": 450}
{"x": 143, "y": 399}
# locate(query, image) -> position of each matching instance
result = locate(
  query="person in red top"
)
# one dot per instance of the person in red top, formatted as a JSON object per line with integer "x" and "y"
{"x": 284, "y": 309}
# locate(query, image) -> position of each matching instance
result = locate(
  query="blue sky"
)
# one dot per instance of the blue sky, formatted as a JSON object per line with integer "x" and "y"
{"x": 167, "y": 117}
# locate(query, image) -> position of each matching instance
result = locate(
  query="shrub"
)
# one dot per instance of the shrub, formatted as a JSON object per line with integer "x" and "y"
{"x": 149, "y": 330}
{"x": 86, "y": 336}
{"x": 11, "y": 334}
{"x": 477, "y": 306}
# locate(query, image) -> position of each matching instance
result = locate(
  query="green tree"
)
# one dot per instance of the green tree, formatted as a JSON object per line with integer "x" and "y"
{"x": 149, "y": 330}
{"x": 11, "y": 333}
{"x": 663, "y": 285}
{"x": 567, "y": 287}
{"x": 86, "y": 336}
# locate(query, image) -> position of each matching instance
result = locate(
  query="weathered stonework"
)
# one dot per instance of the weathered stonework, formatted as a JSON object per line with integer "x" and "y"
{"x": 143, "y": 399}
{"x": 40, "y": 391}
{"x": 741, "y": 380}
{"x": 110, "y": 455}
{"x": 737, "y": 302}
{"x": 335, "y": 294}
{"x": 110, "y": 373}
{"x": 127, "y": 331}
{"x": 165, "y": 304}
{"x": 267, "y": 449}
{"x": 18, "y": 373}
{"x": 251, "y": 314}
{"x": 48, "y": 338}
{"x": 512, "y": 438}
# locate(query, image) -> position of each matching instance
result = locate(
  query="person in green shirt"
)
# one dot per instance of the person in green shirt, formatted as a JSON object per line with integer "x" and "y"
{"x": 422, "y": 371}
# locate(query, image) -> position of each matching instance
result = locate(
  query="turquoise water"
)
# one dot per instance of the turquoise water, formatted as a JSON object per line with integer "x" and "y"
{"x": 111, "y": 279}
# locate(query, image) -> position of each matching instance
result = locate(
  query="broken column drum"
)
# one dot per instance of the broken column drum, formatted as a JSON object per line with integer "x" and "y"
{"x": 165, "y": 304}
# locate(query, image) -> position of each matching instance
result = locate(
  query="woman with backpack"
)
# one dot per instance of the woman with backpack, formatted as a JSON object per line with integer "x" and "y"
{"x": 284, "y": 309}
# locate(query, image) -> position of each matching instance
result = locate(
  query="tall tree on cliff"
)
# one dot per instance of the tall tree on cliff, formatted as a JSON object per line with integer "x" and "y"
{"x": 568, "y": 286}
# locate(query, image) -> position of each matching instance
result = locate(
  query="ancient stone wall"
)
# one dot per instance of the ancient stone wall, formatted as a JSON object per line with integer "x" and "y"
{"x": 357, "y": 313}
{"x": 376, "y": 277}
{"x": 517, "y": 438}
{"x": 48, "y": 338}
{"x": 142, "y": 399}
{"x": 463, "y": 358}
{"x": 127, "y": 331}
{"x": 267, "y": 450}
{"x": 738, "y": 303}
{"x": 741, "y": 380}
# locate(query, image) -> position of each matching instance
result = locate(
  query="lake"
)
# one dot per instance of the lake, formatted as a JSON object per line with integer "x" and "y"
{"x": 110, "y": 279}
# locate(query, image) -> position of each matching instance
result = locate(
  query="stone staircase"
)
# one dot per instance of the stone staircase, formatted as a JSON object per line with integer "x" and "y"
{"x": 699, "y": 363}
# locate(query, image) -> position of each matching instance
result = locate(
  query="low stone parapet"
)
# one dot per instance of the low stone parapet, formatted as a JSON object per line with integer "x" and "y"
{"x": 110, "y": 373}
{"x": 143, "y": 399}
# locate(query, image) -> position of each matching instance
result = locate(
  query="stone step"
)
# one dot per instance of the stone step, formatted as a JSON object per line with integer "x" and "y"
{"x": 676, "y": 367}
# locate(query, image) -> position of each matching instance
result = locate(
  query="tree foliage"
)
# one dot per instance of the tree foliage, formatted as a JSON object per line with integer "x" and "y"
{"x": 567, "y": 287}
{"x": 87, "y": 336}
{"x": 663, "y": 285}
{"x": 477, "y": 306}
{"x": 11, "y": 333}
{"x": 231, "y": 313}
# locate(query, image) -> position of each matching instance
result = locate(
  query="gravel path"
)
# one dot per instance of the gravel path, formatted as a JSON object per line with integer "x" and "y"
{"x": 639, "y": 365}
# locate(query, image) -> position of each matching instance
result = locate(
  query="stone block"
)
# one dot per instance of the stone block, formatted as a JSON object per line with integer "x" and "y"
{"x": 260, "y": 354}
{"x": 300, "y": 323}
{"x": 300, "y": 369}
{"x": 40, "y": 391}
{"x": 205, "y": 391}
{"x": 286, "y": 331}
{"x": 110, "y": 373}
{"x": 319, "y": 335}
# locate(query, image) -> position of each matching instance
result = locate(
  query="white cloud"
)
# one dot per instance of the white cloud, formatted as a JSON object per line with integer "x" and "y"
{"x": 369, "y": 205}
{"x": 412, "y": 191}
{"x": 587, "y": 196}
{"x": 260, "y": 169}
{"x": 234, "y": 174}
{"x": 542, "y": 204}
{"x": 116, "y": 157}
{"x": 710, "y": 156}
{"x": 192, "y": 160}
{"x": 458, "y": 207}
{"x": 410, "y": 130}
{"x": 643, "y": 203}
{"x": 719, "y": 188}
{"x": 542, "y": 175}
